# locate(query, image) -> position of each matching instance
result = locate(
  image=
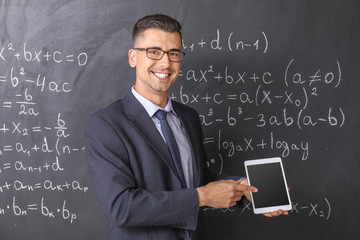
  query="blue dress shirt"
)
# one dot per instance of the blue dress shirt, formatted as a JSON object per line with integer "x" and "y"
{"x": 178, "y": 130}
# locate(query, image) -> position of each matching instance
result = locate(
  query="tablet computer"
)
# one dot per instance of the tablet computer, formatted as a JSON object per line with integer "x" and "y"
{"x": 268, "y": 176}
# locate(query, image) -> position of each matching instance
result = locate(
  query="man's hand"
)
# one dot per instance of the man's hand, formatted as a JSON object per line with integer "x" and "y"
{"x": 276, "y": 213}
{"x": 269, "y": 214}
{"x": 223, "y": 194}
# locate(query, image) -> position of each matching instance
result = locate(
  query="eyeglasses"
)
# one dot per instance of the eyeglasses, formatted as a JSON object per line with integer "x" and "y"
{"x": 157, "y": 54}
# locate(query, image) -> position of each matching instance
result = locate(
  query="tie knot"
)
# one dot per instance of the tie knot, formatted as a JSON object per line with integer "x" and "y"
{"x": 161, "y": 114}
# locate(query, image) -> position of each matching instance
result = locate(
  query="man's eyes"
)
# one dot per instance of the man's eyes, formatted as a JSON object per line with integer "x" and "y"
{"x": 174, "y": 54}
{"x": 155, "y": 52}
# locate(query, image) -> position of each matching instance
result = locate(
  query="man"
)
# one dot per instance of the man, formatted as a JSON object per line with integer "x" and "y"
{"x": 149, "y": 187}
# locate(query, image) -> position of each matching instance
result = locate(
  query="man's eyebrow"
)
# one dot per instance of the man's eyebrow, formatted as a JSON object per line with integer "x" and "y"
{"x": 154, "y": 47}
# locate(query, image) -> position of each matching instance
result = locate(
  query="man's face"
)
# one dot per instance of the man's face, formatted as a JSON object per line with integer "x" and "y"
{"x": 154, "y": 77}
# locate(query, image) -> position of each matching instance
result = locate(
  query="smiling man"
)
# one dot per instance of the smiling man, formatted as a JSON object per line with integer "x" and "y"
{"x": 145, "y": 152}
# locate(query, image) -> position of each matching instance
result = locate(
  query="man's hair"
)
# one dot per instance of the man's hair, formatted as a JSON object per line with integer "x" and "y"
{"x": 157, "y": 21}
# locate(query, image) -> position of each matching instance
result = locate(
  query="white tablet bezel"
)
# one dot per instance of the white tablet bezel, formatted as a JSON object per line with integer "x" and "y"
{"x": 266, "y": 161}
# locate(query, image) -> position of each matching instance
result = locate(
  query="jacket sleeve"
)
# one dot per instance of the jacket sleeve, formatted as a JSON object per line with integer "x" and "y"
{"x": 124, "y": 203}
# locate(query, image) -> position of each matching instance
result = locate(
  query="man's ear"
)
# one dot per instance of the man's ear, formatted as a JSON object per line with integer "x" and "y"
{"x": 132, "y": 57}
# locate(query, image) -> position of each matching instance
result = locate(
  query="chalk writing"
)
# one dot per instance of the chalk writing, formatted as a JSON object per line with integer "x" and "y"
{"x": 28, "y": 54}
{"x": 47, "y": 185}
{"x": 232, "y": 42}
{"x": 34, "y": 146}
{"x": 322, "y": 209}
{"x": 18, "y": 208}
{"x": 290, "y": 93}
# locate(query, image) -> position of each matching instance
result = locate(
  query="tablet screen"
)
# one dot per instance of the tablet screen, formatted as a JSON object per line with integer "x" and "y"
{"x": 268, "y": 177}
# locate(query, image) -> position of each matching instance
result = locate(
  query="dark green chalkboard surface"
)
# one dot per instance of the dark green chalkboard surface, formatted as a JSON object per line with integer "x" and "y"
{"x": 268, "y": 78}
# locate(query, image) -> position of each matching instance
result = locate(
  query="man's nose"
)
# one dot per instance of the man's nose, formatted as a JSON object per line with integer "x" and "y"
{"x": 165, "y": 61}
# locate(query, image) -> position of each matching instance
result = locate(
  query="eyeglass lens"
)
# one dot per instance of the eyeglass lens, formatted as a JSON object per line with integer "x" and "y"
{"x": 157, "y": 54}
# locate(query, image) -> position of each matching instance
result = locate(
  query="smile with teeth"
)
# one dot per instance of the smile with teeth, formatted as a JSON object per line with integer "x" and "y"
{"x": 162, "y": 75}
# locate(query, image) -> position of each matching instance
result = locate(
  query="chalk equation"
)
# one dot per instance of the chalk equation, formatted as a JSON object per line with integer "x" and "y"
{"x": 22, "y": 129}
{"x": 24, "y": 166}
{"x": 291, "y": 76}
{"x": 229, "y": 97}
{"x": 50, "y": 185}
{"x": 230, "y": 148}
{"x": 35, "y": 141}
{"x": 20, "y": 209}
{"x": 43, "y": 146}
{"x": 299, "y": 119}
{"x": 322, "y": 209}
{"x": 231, "y": 41}
{"x": 27, "y": 53}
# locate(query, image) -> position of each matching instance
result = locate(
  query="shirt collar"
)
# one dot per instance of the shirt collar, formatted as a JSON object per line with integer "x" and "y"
{"x": 150, "y": 107}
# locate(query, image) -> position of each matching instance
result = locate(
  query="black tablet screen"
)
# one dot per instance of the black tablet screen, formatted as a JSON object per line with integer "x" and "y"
{"x": 270, "y": 183}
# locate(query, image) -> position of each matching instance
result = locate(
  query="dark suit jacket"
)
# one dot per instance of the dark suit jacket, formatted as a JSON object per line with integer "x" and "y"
{"x": 134, "y": 175}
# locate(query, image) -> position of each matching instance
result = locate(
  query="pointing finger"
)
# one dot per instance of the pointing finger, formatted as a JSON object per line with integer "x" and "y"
{"x": 246, "y": 188}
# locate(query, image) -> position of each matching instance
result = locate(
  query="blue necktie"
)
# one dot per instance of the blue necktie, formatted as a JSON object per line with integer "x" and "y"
{"x": 175, "y": 153}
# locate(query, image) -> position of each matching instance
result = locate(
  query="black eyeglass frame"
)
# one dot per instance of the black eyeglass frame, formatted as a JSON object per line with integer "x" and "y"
{"x": 182, "y": 54}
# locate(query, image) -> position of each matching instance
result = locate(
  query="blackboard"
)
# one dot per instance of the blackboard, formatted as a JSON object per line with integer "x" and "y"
{"x": 268, "y": 78}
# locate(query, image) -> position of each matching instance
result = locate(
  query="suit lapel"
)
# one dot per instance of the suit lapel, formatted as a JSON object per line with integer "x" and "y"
{"x": 145, "y": 126}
